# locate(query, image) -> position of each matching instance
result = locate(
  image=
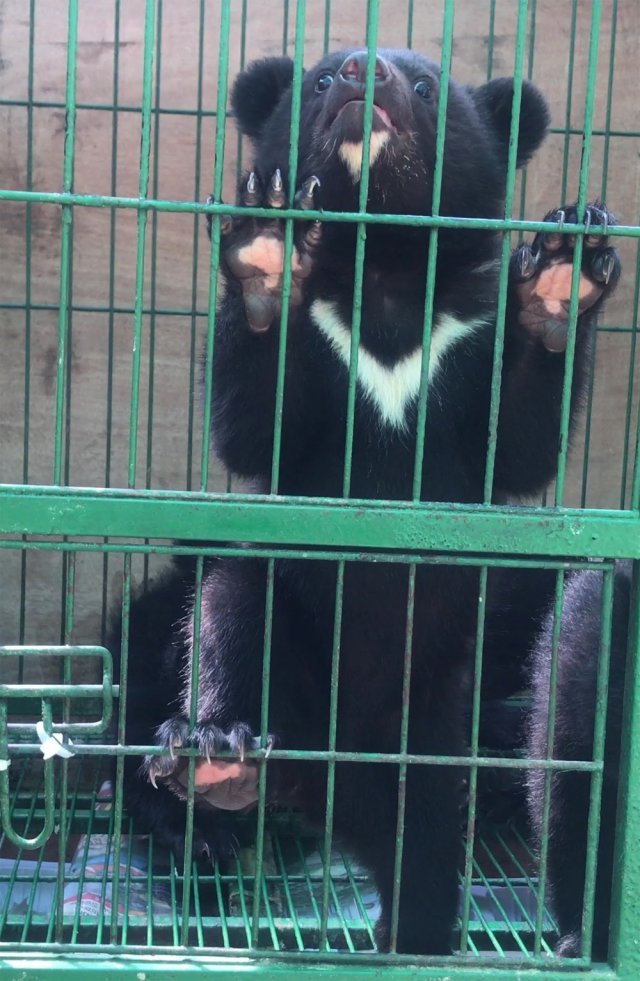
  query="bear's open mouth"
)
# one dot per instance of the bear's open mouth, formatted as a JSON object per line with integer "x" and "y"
{"x": 379, "y": 114}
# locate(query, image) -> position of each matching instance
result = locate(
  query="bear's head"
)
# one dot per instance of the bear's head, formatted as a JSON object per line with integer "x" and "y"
{"x": 403, "y": 137}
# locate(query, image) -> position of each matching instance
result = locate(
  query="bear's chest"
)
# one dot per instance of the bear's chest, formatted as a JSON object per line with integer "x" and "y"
{"x": 389, "y": 389}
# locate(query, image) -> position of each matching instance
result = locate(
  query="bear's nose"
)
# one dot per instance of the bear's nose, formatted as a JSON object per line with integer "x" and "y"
{"x": 354, "y": 68}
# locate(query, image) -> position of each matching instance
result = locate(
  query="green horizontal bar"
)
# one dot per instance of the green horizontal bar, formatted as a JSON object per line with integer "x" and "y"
{"x": 110, "y": 107}
{"x": 191, "y": 962}
{"x": 331, "y": 756}
{"x": 198, "y": 112}
{"x": 55, "y": 691}
{"x": 324, "y": 555}
{"x": 192, "y": 312}
{"x": 51, "y": 691}
{"x": 55, "y": 650}
{"x": 78, "y": 512}
{"x": 197, "y": 207}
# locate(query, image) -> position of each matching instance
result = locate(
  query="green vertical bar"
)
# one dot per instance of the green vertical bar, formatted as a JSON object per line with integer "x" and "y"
{"x": 197, "y": 224}
{"x": 373, "y": 12}
{"x": 530, "y": 58}
{"x": 373, "y": 15}
{"x": 588, "y": 416}
{"x": 549, "y": 755}
{"x": 243, "y": 60}
{"x": 445, "y": 73}
{"x": 112, "y": 290}
{"x": 65, "y": 235}
{"x": 521, "y": 34}
{"x": 601, "y": 698}
{"x": 69, "y": 559}
{"x": 626, "y": 887}
{"x": 121, "y": 737}
{"x": 473, "y": 774}
{"x": 410, "y": 5}
{"x": 402, "y": 776}
{"x": 145, "y": 147}
{"x": 630, "y": 390}
{"x": 218, "y": 172}
{"x": 285, "y": 26}
{"x": 296, "y": 96}
{"x": 491, "y": 38}
{"x": 191, "y": 771}
{"x": 27, "y": 321}
{"x": 592, "y": 67}
{"x": 327, "y": 26}
{"x": 567, "y": 117}
{"x": 143, "y": 185}
{"x": 262, "y": 776}
{"x": 155, "y": 190}
{"x": 607, "y": 118}
{"x": 603, "y": 197}
{"x": 331, "y": 770}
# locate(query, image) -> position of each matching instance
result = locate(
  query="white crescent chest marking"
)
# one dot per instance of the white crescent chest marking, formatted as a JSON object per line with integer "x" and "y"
{"x": 391, "y": 388}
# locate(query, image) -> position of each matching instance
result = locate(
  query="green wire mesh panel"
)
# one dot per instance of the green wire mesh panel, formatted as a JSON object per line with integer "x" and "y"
{"x": 502, "y": 916}
{"x": 117, "y": 129}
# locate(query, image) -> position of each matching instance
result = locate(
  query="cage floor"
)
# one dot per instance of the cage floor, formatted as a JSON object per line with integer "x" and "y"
{"x": 64, "y": 891}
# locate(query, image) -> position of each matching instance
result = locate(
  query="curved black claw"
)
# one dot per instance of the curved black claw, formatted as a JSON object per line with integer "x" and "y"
{"x": 251, "y": 194}
{"x": 226, "y": 221}
{"x": 172, "y": 735}
{"x": 305, "y": 199}
{"x": 275, "y": 191}
{"x": 524, "y": 262}
{"x": 209, "y": 740}
{"x": 605, "y": 265}
{"x": 241, "y": 739}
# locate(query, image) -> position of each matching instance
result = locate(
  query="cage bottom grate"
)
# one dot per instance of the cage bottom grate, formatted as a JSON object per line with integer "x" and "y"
{"x": 65, "y": 894}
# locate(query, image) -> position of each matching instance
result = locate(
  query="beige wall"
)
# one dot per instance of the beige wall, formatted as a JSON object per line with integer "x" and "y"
{"x": 170, "y": 238}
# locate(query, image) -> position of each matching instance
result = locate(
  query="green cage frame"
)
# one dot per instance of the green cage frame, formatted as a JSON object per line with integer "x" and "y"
{"x": 131, "y": 521}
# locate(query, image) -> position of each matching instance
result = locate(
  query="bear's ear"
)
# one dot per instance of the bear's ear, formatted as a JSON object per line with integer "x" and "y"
{"x": 257, "y": 91}
{"x": 496, "y": 99}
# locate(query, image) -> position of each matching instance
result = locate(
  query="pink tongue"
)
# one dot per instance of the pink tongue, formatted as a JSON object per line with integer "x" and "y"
{"x": 383, "y": 115}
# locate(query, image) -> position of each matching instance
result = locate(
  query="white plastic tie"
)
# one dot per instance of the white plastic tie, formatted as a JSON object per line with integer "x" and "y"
{"x": 54, "y": 744}
{"x": 4, "y": 765}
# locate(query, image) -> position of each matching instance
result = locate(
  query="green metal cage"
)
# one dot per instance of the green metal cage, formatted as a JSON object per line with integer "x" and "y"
{"x": 109, "y": 293}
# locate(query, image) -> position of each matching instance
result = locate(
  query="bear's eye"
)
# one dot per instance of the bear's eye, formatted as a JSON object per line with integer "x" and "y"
{"x": 422, "y": 88}
{"x": 324, "y": 82}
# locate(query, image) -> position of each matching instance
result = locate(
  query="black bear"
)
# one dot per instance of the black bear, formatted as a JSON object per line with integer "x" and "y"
{"x": 577, "y": 676}
{"x": 373, "y": 622}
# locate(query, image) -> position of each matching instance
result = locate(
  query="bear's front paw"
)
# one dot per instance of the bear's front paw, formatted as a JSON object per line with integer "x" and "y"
{"x": 253, "y": 248}
{"x": 543, "y": 270}
{"x": 228, "y": 784}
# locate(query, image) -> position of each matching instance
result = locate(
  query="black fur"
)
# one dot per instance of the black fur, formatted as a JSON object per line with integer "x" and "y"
{"x": 253, "y": 104}
{"x": 158, "y": 658}
{"x": 578, "y": 658}
{"x": 313, "y": 434}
